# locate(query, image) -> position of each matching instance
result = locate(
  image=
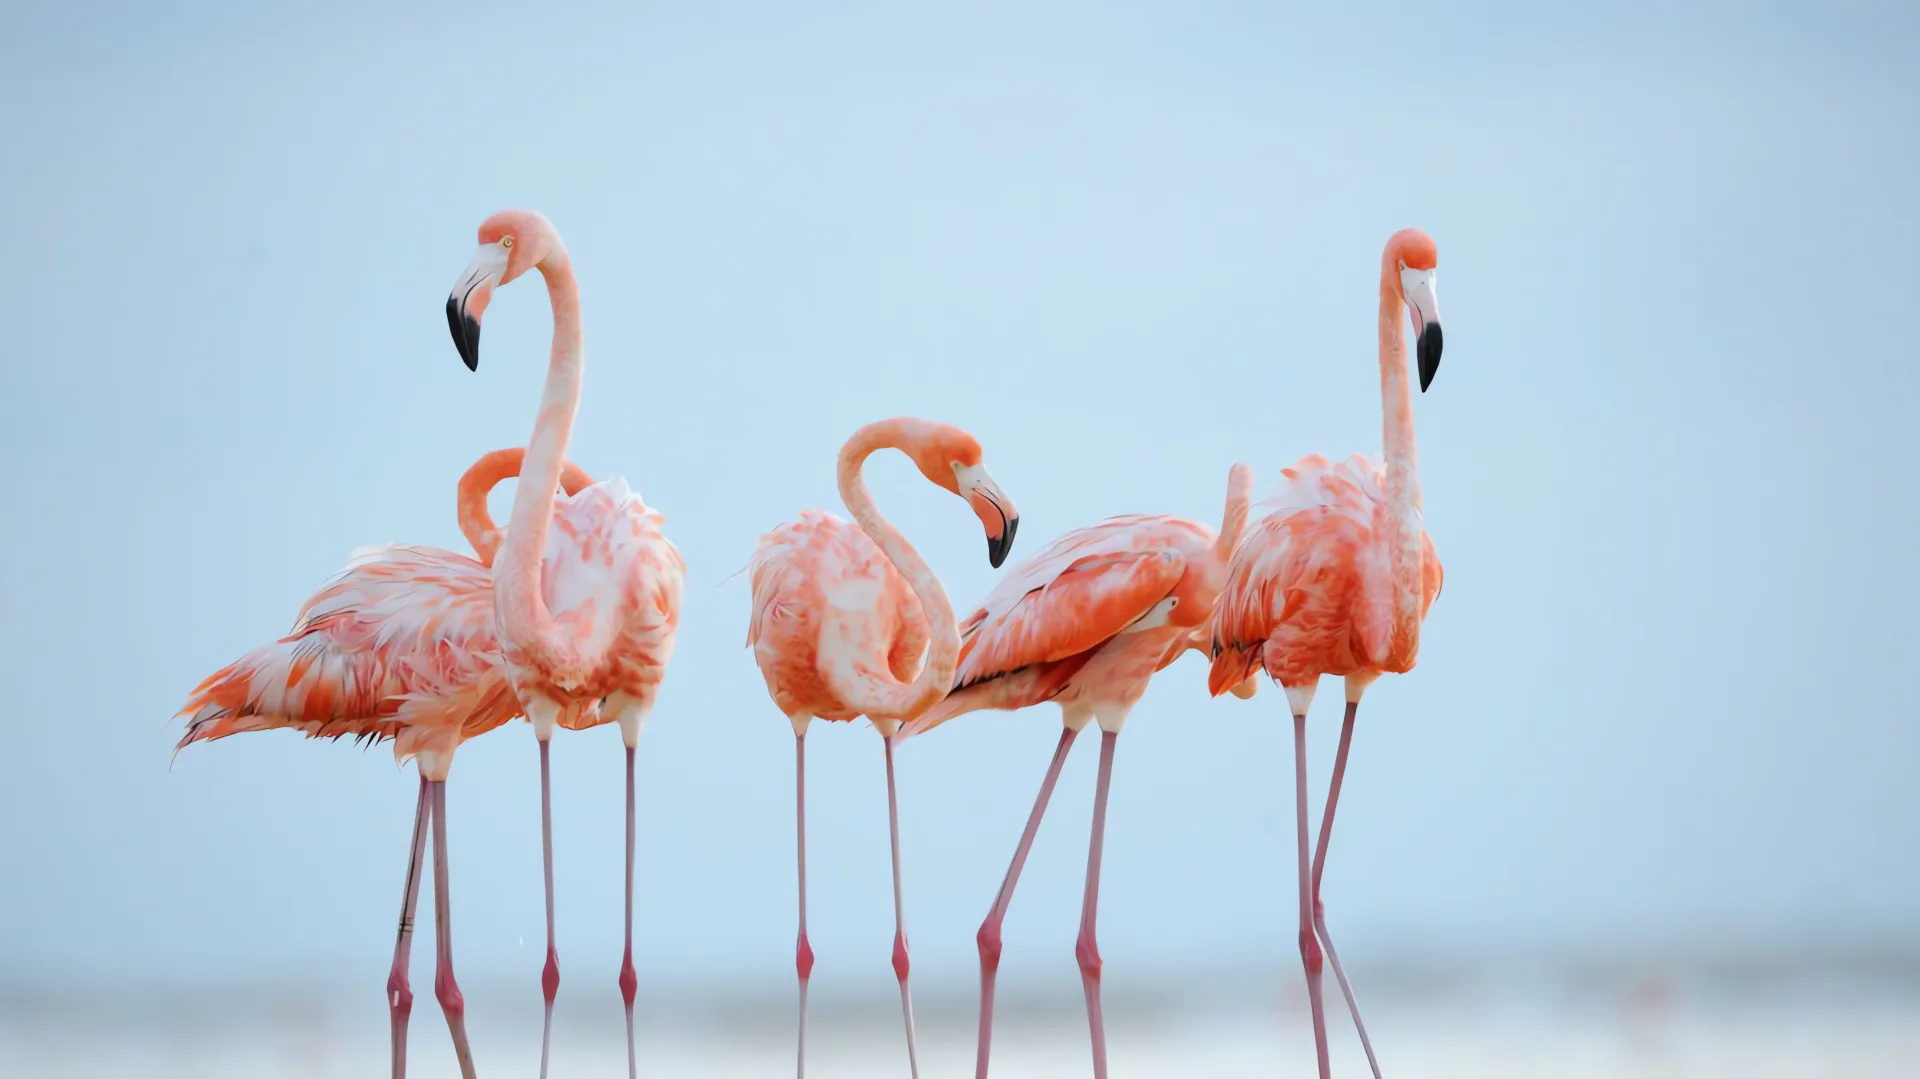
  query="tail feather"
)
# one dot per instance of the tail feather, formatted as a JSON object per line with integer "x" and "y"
{"x": 292, "y": 683}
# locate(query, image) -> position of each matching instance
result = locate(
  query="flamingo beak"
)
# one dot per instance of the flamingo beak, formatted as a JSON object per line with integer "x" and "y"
{"x": 469, "y": 300}
{"x": 1417, "y": 287}
{"x": 994, "y": 509}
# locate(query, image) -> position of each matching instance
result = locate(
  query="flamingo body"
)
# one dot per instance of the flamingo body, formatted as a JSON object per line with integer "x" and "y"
{"x": 399, "y": 645}
{"x": 614, "y": 584}
{"x": 827, "y": 602}
{"x": 1085, "y": 622}
{"x": 1309, "y": 591}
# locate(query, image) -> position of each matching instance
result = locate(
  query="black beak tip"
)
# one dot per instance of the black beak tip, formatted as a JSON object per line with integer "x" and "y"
{"x": 997, "y": 548}
{"x": 1429, "y": 350}
{"x": 466, "y": 334}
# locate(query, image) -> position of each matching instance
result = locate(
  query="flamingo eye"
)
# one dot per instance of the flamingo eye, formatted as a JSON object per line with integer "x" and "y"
{"x": 506, "y": 242}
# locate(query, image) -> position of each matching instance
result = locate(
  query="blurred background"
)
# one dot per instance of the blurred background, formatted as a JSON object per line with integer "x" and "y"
{"x": 1645, "y": 808}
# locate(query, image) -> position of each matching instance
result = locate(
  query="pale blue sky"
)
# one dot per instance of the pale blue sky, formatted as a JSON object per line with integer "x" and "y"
{"x": 1666, "y": 459}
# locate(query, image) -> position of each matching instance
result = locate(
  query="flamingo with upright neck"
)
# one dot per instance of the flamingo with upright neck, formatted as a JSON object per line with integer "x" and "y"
{"x": 841, "y": 616}
{"x": 1336, "y": 580}
{"x": 399, "y": 645}
{"x": 1085, "y": 624}
{"x": 587, "y": 589}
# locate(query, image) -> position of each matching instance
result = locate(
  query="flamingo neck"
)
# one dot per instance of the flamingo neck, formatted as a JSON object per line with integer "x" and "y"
{"x": 1233, "y": 521}
{"x": 1402, "y": 465}
{"x": 492, "y": 469}
{"x": 888, "y": 698}
{"x": 525, "y": 621}
{"x": 476, "y": 522}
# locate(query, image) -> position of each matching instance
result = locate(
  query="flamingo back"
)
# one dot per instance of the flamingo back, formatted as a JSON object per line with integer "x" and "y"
{"x": 830, "y": 608}
{"x": 399, "y": 644}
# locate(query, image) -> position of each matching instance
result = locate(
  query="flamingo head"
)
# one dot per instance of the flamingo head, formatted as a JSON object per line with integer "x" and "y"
{"x": 511, "y": 243}
{"x": 950, "y": 458}
{"x": 1413, "y": 254}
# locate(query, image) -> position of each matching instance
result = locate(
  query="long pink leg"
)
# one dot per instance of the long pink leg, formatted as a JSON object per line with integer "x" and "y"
{"x": 550, "y": 976}
{"x": 629, "y": 982}
{"x": 443, "y": 984}
{"x": 1088, "y": 949}
{"x": 1309, "y": 944}
{"x": 1319, "y": 864}
{"x": 900, "y": 920}
{"x": 989, "y": 936}
{"x": 399, "y": 995}
{"x": 802, "y": 952}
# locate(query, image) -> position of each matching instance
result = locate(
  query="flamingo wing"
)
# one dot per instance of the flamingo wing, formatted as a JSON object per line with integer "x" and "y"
{"x": 1087, "y": 602}
{"x": 400, "y": 636}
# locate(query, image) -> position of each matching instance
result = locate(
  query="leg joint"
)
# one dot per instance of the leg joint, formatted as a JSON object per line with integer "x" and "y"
{"x": 1087, "y": 951}
{"x": 1310, "y": 955}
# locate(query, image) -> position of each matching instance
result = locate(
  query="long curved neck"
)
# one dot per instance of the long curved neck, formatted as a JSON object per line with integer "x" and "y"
{"x": 1233, "y": 520}
{"x": 1402, "y": 465}
{"x": 524, "y": 618}
{"x": 887, "y": 698}
{"x": 491, "y": 470}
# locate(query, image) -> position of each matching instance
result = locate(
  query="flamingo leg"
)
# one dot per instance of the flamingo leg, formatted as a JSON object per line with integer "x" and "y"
{"x": 629, "y": 982}
{"x": 444, "y": 986}
{"x": 399, "y": 995}
{"x": 989, "y": 936}
{"x": 1087, "y": 950}
{"x": 803, "y": 952}
{"x": 1309, "y": 943}
{"x": 900, "y": 964}
{"x": 1319, "y": 864}
{"x": 550, "y": 975}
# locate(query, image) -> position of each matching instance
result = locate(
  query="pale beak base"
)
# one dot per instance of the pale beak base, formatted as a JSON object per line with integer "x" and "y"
{"x": 993, "y": 507}
{"x": 1417, "y": 288}
{"x": 469, "y": 301}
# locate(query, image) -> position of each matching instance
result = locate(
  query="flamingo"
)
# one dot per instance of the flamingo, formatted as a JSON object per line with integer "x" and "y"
{"x": 399, "y": 645}
{"x": 841, "y": 615}
{"x": 1085, "y": 623}
{"x": 1336, "y": 580}
{"x": 586, "y": 589}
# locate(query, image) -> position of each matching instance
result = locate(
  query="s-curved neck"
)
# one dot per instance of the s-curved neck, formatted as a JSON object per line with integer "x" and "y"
{"x": 525, "y": 621}
{"x": 1402, "y": 462}
{"x": 887, "y": 698}
{"x": 491, "y": 470}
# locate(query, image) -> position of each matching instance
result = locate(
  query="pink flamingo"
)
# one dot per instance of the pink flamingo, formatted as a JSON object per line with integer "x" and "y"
{"x": 587, "y": 588}
{"x": 841, "y": 616}
{"x": 1085, "y": 623}
{"x": 399, "y": 645}
{"x": 1336, "y": 580}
